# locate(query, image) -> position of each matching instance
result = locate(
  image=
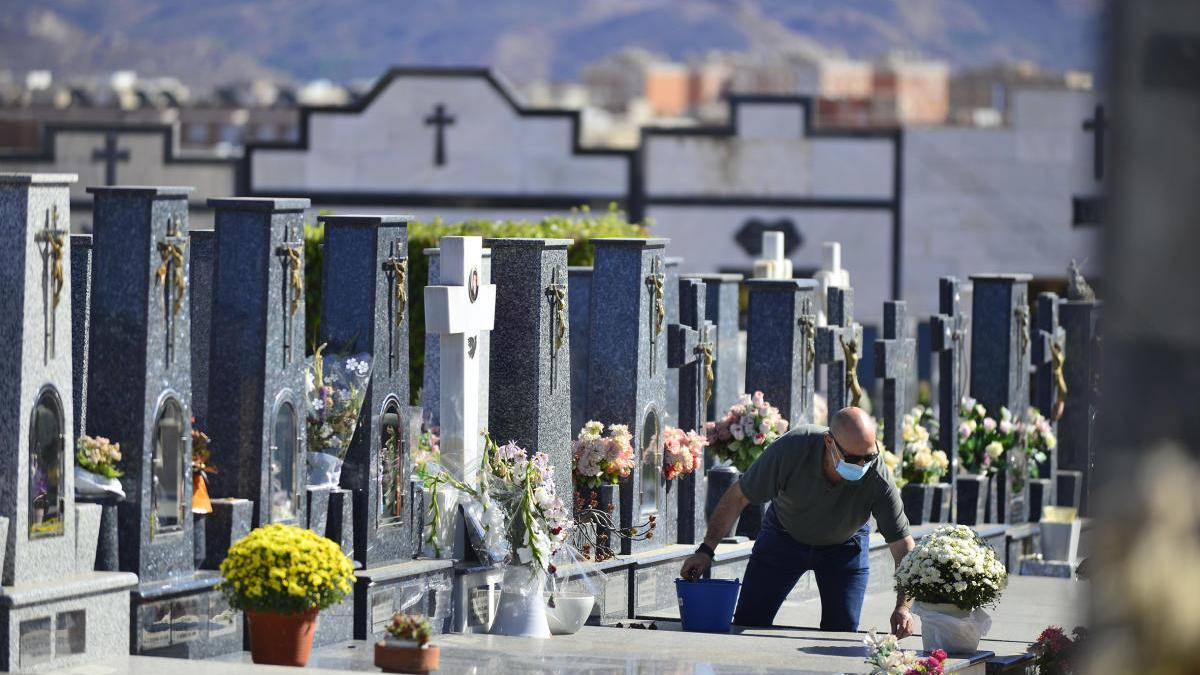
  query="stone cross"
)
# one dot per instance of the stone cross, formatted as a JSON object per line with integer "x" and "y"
{"x": 171, "y": 277}
{"x": 430, "y": 380}
{"x": 894, "y": 356}
{"x": 52, "y": 241}
{"x": 774, "y": 263}
{"x": 439, "y": 120}
{"x": 530, "y": 379}
{"x": 777, "y": 347}
{"x": 110, "y": 154}
{"x": 690, "y": 349}
{"x": 290, "y": 254}
{"x": 839, "y": 348}
{"x": 721, "y": 308}
{"x": 459, "y": 309}
{"x": 949, "y": 342}
{"x": 395, "y": 267}
{"x": 831, "y": 275}
{"x": 1097, "y": 126}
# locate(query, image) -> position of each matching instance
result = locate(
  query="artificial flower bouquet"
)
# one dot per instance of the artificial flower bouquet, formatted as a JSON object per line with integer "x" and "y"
{"x": 886, "y": 658}
{"x": 521, "y": 520}
{"x": 1039, "y": 441}
{"x": 952, "y": 574}
{"x": 984, "y": 442}
{"x": 285, "y": 569}
{"x": 96, "y": 472}
{"x": 683, "y": 452}
{"x": 923, "y": 462}
{"x": 745, "y": 431}
{"x": 335, "y": 387}
{"x": 601, "y": 459}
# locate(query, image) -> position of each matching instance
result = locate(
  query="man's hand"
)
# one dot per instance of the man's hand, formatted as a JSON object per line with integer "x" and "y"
{"x": 696, "y": 566}
{"x": 903, "y": 623}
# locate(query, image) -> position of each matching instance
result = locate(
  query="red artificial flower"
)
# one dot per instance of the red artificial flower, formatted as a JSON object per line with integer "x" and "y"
{"x": 939, "y": 654}
{"x": 552, "y": 569}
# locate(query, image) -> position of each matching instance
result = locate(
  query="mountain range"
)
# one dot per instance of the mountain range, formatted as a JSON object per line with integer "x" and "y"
{"x": 203, "y": 42}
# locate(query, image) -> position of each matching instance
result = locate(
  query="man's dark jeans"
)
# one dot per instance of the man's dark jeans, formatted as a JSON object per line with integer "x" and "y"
{"x": 778, "y": 561}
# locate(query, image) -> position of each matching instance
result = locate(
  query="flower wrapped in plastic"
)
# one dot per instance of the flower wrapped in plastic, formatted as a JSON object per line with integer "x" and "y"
{"x": 96, "y": 472}
{"x": 335, "y": 387}
{"x": 683, "y": 452}
{"x": 601, "y": 459}
{"x": 745, "y": 431}
{"x": 886, "y": 658}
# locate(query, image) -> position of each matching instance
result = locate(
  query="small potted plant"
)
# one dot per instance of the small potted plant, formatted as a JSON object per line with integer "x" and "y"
{"x": 407, "y": 649}
{"x": 281, "y": 576}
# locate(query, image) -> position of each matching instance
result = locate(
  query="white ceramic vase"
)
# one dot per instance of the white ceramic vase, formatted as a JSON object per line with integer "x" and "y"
{"x": 945, "y": 626}
{"x": 569, "y": 611}
{"x": 521, "y": 610}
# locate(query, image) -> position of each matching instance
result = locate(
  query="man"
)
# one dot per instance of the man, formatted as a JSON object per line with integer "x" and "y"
{"x": 823, "y": 484}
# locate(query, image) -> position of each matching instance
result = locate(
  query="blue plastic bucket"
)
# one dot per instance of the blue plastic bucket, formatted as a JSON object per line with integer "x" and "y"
{"x": 706, "y": 605}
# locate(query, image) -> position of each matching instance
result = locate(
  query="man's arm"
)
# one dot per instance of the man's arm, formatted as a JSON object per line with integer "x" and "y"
{"x": 728, "y": 509}
{"x": 902, "y": 621}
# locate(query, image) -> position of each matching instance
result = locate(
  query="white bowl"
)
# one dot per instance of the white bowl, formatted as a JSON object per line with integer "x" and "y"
{"x": 569, "y": 613}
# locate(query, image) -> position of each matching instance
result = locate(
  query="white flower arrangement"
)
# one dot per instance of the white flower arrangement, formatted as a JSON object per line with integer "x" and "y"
{"x": 952, "y": 565}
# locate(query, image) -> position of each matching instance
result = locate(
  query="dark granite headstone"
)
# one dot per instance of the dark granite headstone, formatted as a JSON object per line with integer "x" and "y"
{"x": 671, "y": 290}
{"x": 780, "y": 347}
{"x": 256, "y": 381}
{"x": 364, "y": 308}
{"x": 894, "y": 356}
{"x": 1081, "y": 321}
{"x": 203, "y": 248}
{"x": 531, "y": 360}
{"x": 948, "y": 331}
{"x": 579, "y": 303}
{"x": 721, "y": 308}
{"x": 81, "y": 304}
{"x": 839, "y": 348}
{"x": 1000, "y": 360}
{"x": 1049, "y": 361}
{"x": 627, "y": 371}
{"x": 691, "y": 352}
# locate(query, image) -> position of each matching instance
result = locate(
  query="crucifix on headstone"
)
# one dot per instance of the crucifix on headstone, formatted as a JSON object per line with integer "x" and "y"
{"x": 110, "y": 154}
{"x": 949, "y": 334}
{"x": 440, "y": 120}
{"x": 690, "y": 349}
{"x": 458, "y": 310}
{"x": 172, "y": 277}
{"x": 839, "y": 348}
{"x": 656, "y": 306}
{"x": 894, "y": 356}
{"x": 396, "y": 269}
{"x": 54, "y": 240}
{"x": 556, "y": 297}
{"x": 808, "y": 330}
{"x": 290, "y": 256}
{"x": 1097, "y": 126}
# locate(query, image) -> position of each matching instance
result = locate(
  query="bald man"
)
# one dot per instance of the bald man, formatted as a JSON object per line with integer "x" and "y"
{"x": 823, "y": 485}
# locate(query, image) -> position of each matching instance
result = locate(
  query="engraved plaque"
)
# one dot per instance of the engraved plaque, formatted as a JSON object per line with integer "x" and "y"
{"x": 155, "y": 622}
{"x": 188, "y": 616}
{"x": 222, "y": 618}
{"x": 480, "y": 614}
{"x": 70, "y": 633}
{"x": 34, "y": 642}
{"x": 382, "y": 609}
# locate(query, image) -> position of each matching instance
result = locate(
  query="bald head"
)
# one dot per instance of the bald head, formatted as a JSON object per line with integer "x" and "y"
{"x": 854, "y": 429}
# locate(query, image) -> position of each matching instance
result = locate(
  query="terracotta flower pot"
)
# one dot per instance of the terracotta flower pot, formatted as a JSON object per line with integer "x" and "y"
{"x": 394, "y": 656}
{"x": 281, "y": 639}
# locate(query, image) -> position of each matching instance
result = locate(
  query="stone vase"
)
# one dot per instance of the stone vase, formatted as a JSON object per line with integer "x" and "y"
{"x": 690, "y": 491}
{"x": 521, "y": 610}
{"x": 972, "y": 497}
{"x": 943, "y": 495}
{"x": 918, "y": 502}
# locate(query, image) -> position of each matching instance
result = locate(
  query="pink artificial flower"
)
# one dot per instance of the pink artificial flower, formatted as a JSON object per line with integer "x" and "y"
{"x": 989, "y": 424}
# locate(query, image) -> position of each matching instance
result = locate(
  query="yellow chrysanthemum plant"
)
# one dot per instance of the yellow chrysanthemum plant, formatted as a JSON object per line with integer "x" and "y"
{"x": 287, "y": 570}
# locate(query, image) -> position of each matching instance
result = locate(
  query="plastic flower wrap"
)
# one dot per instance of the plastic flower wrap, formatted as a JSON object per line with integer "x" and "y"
{"x": 923, "y": 462}
{"x": 745, "y": 431}
{"x": 683, "y": 452}
{"x": 952, "y": 565}
{"x": 514, "y": 503}
{"x": 599, "y": 459}
{"x": 96, "y": 472}
{"x": 285, "y": 569}
{"x": 886, "y": 658}
{"x": 335, "y": 389}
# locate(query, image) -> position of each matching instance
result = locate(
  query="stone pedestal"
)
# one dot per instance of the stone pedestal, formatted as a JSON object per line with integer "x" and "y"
{"x": 974, "y": 493}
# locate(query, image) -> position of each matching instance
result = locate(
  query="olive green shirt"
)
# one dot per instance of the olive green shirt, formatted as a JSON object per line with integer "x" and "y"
{"x": 789, "y": 474}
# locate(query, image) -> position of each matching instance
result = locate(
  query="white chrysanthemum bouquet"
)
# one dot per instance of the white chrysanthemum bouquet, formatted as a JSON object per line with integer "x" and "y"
{"x": 953, "y": 565}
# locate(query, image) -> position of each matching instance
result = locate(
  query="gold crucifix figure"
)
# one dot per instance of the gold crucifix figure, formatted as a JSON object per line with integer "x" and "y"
{"x": 850, "y": 353}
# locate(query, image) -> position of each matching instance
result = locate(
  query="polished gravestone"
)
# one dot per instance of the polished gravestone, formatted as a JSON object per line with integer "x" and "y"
{"x": 721, "y": 308}
{"x": 364, "y": 299}
{"x": 202, "y": 247}
{"x": 1081, "y": 321}
{"x": 948, "y": 333}
{"x": 839, "y": 349}
{"x": 54, "y": 610}
{"x": 781, "y": 345}
{"x": 1049, "y": 394}
{"x": 691, "y": 352}
{"x": 140, "y": 379}
{"x": 256, "y": 379}
{"x": 1000, "y": 361}
{"x": 430, "y": 405}
{"x": 579, "y": 304}
{"x": 626, "y": 373}
{"x": 671, "y": 265}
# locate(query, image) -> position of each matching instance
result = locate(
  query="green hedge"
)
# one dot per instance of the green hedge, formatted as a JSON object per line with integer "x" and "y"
{"x": 581, "y": 225}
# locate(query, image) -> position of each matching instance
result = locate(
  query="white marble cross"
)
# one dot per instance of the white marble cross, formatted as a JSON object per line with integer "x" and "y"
{"x": 458, "y": 310}
{"x": 831, "y": 275}
{"x": 774, "y": 263}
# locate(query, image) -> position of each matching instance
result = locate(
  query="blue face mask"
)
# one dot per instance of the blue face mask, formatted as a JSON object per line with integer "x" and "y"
{"x": 852, "y": 471}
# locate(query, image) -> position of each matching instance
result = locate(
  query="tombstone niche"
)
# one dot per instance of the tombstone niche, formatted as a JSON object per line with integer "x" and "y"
{"x": 256, "y": 378}
{"x": 140, "y": 379}
{"x": 54, "y": 610}
{"x": 721, "y": 308}
{"x": 627, "y": 372}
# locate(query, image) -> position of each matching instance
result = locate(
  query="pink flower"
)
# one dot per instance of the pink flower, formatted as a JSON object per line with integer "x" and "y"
{"x": 939, "y": 655}
{"x": 759, "y": 438}
{"x": 989, "y": 424}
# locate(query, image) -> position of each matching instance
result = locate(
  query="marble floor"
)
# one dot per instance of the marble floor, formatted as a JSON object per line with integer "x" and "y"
{"x": 1029, "y": 604}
